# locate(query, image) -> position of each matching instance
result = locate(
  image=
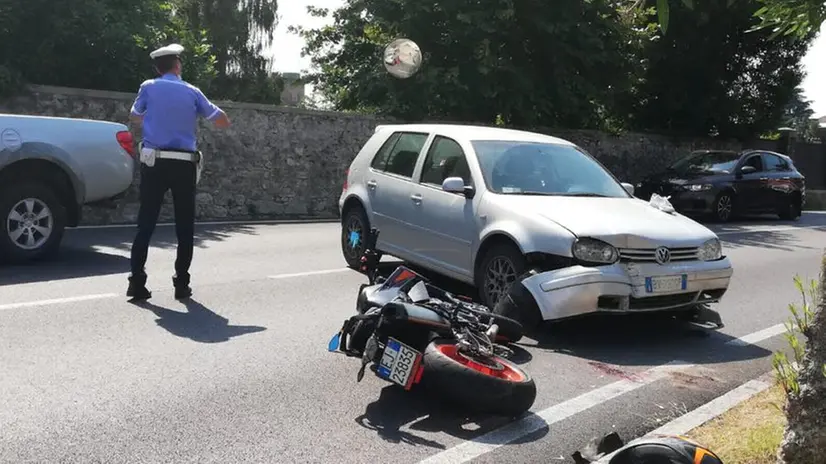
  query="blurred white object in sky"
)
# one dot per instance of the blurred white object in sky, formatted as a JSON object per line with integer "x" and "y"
{"x": 402, "y": 58}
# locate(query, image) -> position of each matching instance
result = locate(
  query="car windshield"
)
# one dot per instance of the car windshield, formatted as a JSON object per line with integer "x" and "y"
{"x": 534, "y": 168}
{"x": 715, "y": 161}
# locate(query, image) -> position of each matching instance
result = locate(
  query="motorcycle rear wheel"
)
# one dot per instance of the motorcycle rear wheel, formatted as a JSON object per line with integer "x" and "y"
{"x": 490, "y": 386}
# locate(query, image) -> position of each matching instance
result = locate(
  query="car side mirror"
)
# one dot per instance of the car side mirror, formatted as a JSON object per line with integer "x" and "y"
{"x": 457, "y": 185}
{"x": 628, "y": 188}
{"x": 746, "y": 170}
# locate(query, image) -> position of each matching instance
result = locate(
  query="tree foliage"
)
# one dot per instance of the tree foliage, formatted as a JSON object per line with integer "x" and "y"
{"x": 798, "y": 18}
{"x": 798, "y": 114}
{"x": 528, "y": 62}
{"x": 708, "y": 75}
{"x": 596, "y": 64}
{"x": 237, "y": 32}
{"x": 105, "y": 44}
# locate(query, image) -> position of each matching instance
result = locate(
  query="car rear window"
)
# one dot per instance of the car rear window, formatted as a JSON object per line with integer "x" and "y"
{"x": 399, "y": 154}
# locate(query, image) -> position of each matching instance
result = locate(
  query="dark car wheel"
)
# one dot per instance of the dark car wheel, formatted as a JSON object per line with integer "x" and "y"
{"x": 792, "y": 210}
{"x": 354, "y": 228}
{"x": 33, "y": 221}
{"x": 500, "y": 267}
{"x": 724, "y": 207}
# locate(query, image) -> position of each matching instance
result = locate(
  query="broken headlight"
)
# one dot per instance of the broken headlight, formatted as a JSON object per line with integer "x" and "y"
{"x": 591, "y": 250}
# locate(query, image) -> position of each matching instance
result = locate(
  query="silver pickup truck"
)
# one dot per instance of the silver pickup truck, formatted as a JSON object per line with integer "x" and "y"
{"x": 49, "y": 168}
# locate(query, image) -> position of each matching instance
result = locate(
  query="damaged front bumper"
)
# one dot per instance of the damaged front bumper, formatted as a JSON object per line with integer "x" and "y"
{"x": 628, "y": 287}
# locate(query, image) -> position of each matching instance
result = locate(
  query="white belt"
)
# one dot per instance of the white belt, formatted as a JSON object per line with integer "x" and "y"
{"x": 148, "y": 156}
{"x": 175, "y": 155}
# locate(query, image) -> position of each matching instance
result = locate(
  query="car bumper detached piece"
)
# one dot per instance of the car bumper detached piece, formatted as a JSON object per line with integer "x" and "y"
{"x": 628, "y": 287}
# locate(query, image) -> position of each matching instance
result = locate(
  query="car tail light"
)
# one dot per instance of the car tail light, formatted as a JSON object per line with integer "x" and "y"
{"x": 126, "y": 141}
{"x": 346, "y": 175}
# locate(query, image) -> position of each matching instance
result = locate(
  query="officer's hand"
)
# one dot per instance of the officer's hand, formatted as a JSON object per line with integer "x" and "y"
{"x": 222, "y": 121}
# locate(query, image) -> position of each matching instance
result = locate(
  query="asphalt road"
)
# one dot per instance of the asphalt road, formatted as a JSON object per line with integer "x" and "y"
{"x": 241, "y": 373}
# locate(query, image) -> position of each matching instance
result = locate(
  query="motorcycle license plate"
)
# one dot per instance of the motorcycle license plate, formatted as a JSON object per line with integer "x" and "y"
{"x": 399, "y": 363}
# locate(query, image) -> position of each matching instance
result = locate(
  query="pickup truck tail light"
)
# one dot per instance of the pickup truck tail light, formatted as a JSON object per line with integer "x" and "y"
{"x": 346, "y": 175}
{"x": 126, "y": 141}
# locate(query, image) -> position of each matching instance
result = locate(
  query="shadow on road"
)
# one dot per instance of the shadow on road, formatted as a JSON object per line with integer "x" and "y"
{"x": 198, "y": 323}
{"x": 745, "y": 232}
{"x": 775, "y": 240}
{"x": 99, "y": 252}
{"x": 639, "y": 340}
{"x": 417, "y": 410}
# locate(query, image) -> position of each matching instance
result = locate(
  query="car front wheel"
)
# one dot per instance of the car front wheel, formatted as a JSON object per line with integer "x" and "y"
{"x": 724, "y": 207}
{"x": 499, "y": 269}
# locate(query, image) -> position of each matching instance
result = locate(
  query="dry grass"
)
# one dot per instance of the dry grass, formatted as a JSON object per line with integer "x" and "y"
{"x": 749, "y": 433}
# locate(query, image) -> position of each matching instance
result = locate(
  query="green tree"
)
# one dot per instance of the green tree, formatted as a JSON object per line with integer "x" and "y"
{"x": 798, "y": 18}
{"x": 708, "y": 76}
{"x": 99, "y": 44}
{"x": 798, "y": 114}
{"x": 528, "y": 62}
{"x": 237, "y": 32}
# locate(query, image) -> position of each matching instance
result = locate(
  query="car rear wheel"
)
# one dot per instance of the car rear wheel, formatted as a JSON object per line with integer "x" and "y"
{"x": 500, "y": 267}
{"x": 724, "y": 207}
{"x": 33, "y": 220}
{"x": 792, "y": 210}
{"x": 354, "y": 228}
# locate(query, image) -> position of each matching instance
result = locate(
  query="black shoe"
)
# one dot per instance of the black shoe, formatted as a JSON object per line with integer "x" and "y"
{"x": 183, "y": 292}
{"x": 138, "y": 292}
{"x": 182, "y": 289}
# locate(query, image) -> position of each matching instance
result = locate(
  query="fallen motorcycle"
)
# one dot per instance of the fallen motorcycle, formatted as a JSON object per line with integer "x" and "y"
{"x": 411, "y": 332}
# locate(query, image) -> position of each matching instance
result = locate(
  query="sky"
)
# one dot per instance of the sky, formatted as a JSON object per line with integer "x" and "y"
{"x": 286, "y": 48}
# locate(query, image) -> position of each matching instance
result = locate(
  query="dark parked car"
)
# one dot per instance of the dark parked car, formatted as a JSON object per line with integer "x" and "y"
{"x": 726, "y": 183}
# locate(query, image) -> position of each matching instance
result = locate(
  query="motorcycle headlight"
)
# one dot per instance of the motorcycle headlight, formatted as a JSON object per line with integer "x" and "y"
{"x": 594, "y": 251}
{"x": 711, "y": 250}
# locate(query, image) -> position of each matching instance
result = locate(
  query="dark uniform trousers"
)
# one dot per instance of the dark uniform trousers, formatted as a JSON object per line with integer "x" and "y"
{"x": 178, "y": 176}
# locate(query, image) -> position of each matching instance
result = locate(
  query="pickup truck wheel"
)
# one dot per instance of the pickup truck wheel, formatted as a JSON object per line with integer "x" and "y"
{"x": 33, "y": 220}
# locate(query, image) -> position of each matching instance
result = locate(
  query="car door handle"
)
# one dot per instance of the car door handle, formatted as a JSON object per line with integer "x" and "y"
{"x": 416, "y": 198}
{"x": 764, "y": 178}
{"x": 371, "y": 184}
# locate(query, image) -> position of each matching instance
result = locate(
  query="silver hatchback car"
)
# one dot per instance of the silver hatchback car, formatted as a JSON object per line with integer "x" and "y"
{"x": 492, "y": 206}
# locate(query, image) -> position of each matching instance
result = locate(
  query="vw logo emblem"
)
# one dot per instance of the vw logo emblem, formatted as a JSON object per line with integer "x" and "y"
{"x": 662, "y": 255}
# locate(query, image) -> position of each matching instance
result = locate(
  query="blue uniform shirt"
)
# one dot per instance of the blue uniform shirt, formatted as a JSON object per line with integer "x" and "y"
{"x": 170, "y": 108}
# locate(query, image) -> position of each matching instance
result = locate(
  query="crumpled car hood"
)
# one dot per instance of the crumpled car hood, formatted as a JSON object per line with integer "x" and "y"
{"x": 622, "y": 222}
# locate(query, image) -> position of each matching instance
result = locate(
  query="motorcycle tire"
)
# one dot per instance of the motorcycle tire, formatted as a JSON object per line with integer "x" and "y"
{"x": 506, "y": 391}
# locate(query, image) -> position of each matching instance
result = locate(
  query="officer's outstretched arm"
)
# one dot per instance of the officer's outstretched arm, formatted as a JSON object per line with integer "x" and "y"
{"x": 222, "y": 120}
{"x": 210, "y": 110}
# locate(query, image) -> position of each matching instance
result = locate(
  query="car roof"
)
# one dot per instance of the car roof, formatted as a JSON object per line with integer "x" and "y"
{"x": 743, "y": 152}
{"x": 471, "y": 132}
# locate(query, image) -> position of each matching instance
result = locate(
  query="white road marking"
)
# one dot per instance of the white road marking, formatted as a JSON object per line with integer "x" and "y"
{"x": 71, "y": 299}
{"x": 219, "y": 223}
{"x": 490, "y": 441}
{"x": 757, "y": 337}
{"x": 705, "y": 413}
{"x": 309, "y": 273}
{"x": 772, "y": 229}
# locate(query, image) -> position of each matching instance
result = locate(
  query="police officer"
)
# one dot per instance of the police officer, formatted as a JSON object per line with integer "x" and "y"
{"x": 168, "y": 107}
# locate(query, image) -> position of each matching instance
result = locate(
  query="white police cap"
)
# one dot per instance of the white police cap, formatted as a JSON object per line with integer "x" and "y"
{"x": 171, "y": 49}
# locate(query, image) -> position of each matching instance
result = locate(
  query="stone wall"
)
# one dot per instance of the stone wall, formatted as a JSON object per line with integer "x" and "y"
{"x": 288, "y": 163}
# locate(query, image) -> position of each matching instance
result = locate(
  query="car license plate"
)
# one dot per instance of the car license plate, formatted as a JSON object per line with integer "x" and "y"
{"x": 399, "y": 363}
{"x": 666, "y": 284}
